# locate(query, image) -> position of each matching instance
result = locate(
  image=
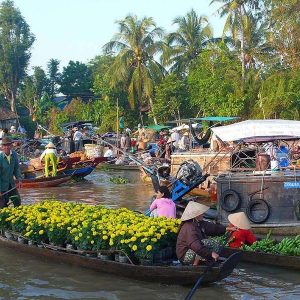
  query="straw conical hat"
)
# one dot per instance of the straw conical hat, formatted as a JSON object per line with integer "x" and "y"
{"x": 193, "y": 210}
{"x": 6, "y": 141}
{"x": 239, "y": 220}
{"x": 50, "y": 145}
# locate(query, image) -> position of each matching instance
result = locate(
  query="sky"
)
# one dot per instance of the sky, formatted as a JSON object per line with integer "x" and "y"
{"x": 77, "y": 29}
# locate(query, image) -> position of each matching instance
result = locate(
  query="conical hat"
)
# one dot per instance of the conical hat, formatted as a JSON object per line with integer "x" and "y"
{"x": 239, "y": 220}
{"x": 50, "y": 145}
{"x": 193, "y": 210}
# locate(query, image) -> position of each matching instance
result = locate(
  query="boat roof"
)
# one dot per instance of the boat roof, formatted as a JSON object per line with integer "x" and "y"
{"x": 259, "y": 130}
{"x": 212, "y": 119}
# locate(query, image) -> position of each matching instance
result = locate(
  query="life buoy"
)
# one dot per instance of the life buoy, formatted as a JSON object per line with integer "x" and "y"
{"x": 264, "y": 208}
{"x": 230, "y": 200}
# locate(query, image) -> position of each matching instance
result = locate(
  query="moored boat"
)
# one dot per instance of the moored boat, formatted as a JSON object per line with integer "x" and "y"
{"x": 181, "y": 275}
{"x": 79, "y": 172}
{"x": 43, "y": 182}
{"x": 285, "y": 261}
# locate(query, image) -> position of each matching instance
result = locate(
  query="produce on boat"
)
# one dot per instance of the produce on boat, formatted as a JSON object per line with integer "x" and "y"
{"x": 74, "y": 230}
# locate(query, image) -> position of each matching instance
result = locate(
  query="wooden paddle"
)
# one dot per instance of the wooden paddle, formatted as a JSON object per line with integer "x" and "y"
{"x": 200, "y": 279}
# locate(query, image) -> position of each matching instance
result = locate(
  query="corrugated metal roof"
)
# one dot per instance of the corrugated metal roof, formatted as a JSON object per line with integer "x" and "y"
{"x": 6, "y": 114}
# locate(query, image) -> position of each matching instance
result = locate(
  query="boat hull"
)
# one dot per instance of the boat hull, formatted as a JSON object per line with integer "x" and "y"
{"x": 284, "y": 261}
{"x": 42, "y": 182}
{"x": 187, "y": 275}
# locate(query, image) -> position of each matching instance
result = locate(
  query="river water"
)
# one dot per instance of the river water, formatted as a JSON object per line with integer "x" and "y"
{"x": 27, "y": 277}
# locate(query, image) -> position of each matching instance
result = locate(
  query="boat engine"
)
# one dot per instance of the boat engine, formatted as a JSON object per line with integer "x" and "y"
{"x": 189, "y": 176}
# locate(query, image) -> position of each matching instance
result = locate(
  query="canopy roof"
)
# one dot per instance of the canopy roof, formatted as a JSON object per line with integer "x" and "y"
{"x": 157, "y": 127}
{"x": 258, "y": 130}
{"x": 213, "y": 119}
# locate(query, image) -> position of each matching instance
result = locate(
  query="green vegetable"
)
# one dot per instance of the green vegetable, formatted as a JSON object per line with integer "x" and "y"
{"x": 119, "y": 180}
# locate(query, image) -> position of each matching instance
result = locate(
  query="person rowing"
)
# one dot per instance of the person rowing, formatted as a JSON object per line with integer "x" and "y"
{"x": 191, "y": 246}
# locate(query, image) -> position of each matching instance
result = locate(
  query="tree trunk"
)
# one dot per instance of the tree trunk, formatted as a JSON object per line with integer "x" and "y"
{"x": 151, "y": 105}
{"x": 242, "y": 49}
{"x": 12, "y": 101}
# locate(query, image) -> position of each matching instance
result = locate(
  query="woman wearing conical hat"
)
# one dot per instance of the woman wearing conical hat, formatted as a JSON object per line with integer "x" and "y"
{"x": 240, "y": 230}
{"x": 51, "y": 158}
{"x": 190, "y": 247}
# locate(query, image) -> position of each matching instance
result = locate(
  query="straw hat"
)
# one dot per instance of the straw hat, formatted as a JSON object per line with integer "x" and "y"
{"x": 6, "y": 141}
{"x": 50, "y": 145}
{"x": 193, "y": 210}
{"x": 239, "y": 220}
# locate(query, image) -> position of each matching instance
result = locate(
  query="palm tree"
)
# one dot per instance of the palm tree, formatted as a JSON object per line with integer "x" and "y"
{"x": 236, "y": 23}
{"x": 136, "y": 44}
{"x": 193, "y": 34}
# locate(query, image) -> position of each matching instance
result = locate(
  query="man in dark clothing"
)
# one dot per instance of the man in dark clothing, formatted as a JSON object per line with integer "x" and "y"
{"x": 194, "y": 229}
{"x": 9, "y": 167}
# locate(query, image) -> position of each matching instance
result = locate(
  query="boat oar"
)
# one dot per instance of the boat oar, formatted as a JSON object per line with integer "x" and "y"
{"x": 200, "y": 279}
{"x": 2, "y": 194}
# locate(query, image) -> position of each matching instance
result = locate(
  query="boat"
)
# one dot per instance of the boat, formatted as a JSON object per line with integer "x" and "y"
{"x": 120, "y": 167}
{"x": 42, "y": 182}
{"x": 79, "y": 172}
{"x": 264, "y": 184}
{"x": 82, "y": 168}
{"x": 276, "y": 260}
{"x": 181, "y": 275}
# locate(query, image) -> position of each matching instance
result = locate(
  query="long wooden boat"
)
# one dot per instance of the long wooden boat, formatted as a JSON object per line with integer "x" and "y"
{"x": 79, "y": 172}
{"x": 121, "y": 167}
{"x": 284, "y": 261}
{"x": 43, "y": 182}
{"x": 182, "y": 275}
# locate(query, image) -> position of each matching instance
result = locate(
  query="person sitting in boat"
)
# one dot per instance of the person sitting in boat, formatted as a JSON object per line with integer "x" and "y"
{"x": 109, "y": 152}
{"x": 51, "y": 157}
{"x": 191, "y": 245}
{"x": 163, "y": 205}
{"x": 240, "y": 230}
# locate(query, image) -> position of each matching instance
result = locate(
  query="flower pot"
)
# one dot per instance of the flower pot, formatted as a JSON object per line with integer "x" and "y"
{"x": 21, "y": 240}
{"x": 146, "y": 262}
{"x": 8, "y": 235}
{"x": 123, "y": 259}
{"x": 105, "y": 257}
{"x": 69, "y": 247}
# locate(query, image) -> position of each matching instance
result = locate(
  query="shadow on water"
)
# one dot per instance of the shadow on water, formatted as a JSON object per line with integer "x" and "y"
{"x": 27, "y": 277}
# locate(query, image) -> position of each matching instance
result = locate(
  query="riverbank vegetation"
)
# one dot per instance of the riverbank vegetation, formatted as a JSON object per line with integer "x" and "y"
{"x": 252, "y": 70}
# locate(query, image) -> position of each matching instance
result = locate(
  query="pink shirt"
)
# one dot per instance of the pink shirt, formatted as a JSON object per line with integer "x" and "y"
{"x": 165, "y": 207}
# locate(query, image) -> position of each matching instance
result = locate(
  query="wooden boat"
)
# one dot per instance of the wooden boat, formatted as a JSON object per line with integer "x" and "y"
{"x": 186, "y": 275}
{"x": 276, "y": 260}
{"x": 42, "y": 182}
{"x": 121, "y": 167}
{"x": 79, "y": 172}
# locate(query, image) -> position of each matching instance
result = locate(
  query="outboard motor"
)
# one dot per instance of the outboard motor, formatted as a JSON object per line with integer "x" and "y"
{"x": 189, "y": 176}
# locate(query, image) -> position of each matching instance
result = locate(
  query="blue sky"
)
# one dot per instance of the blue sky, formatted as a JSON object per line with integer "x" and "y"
{"x": 77, "y": 29}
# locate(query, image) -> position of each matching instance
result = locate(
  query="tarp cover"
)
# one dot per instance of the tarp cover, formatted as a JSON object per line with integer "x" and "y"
{"x": 260, "y": 129}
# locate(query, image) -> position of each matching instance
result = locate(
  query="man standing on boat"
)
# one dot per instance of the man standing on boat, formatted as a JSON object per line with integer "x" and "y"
{"x": 9, "y": 168}
{"x": 51, "y": 157}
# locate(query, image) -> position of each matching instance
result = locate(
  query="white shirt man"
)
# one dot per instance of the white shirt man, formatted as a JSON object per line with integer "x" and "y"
{"x": 175, "y": 137}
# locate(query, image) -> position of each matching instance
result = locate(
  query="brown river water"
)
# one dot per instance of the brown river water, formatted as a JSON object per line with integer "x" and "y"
{"x": 27, "y": 277}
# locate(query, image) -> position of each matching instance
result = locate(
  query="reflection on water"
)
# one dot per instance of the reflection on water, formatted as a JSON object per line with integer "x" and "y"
{"x": 27, "y": 277}
{"x": 98, "y": 189}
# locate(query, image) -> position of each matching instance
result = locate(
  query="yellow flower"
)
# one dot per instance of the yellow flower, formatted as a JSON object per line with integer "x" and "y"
{"x": 41, "y": 232}
{"x": 134, "y": 247}
{"x": 76, "y": 238}
{"x": 105, "y": 237}
{"x": 133, "y": 239}
{"x": 92, "y": 242}
{"x": 149, "y": 248}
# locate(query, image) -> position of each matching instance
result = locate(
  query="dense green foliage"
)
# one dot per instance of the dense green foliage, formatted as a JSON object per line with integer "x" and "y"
{"x": 252, "y": 71}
